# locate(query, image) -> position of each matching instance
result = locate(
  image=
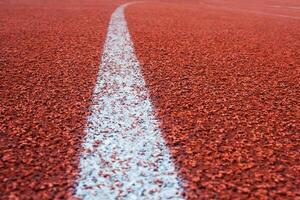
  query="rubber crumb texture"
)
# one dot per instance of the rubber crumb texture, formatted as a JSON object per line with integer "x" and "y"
{"x": 226, "y": 89}
{"x": 273, "y": 7}
{"x": 50, "y": 53}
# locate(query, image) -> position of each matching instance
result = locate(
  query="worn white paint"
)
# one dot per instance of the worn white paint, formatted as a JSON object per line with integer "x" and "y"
{"x": 125, "y": 156}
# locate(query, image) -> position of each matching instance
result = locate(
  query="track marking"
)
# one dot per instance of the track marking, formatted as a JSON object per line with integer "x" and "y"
{"x": 124, "y": 155}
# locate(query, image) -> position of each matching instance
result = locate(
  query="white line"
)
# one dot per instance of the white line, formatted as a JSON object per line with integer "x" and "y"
{"x": 125, "y": 156}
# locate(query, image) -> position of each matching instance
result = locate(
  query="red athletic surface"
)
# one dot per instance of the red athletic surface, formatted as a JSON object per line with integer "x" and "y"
{"x": 225, "y": 85}
{"x": 278, "y": 7}
{"x": 226, "y": 88}
{"x": 50, "y": 53}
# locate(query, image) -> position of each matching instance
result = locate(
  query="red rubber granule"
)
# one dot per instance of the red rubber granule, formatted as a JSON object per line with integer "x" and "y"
{"x": 226, "y": 88}
{"x": 49, "y": 58}
{"x": 225, "y": 84}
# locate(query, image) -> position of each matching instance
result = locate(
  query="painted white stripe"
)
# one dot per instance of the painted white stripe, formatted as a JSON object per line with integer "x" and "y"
{"x": 125, "y": 156}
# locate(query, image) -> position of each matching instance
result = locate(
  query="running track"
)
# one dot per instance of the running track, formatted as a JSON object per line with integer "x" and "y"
{"x": 223, "y": 77}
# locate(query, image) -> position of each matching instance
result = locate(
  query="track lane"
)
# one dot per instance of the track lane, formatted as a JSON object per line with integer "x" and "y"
{"x": 49, "y": 57}
{"x": 47, "y": 84}
{"x": 225, "y": 85}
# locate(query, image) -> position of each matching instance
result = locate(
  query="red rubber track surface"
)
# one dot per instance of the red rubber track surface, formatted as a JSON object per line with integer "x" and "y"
{"x": 50, "y": 53}
{"x": 279, "y": 7}
{"x": 226, "y": 88}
